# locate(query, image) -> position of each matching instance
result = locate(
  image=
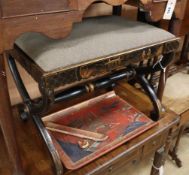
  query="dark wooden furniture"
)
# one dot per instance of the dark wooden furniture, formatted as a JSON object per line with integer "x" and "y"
{"x": 55, "y": 19}
{"x": 184, "y": 30}
{"x": 178, "y": 104}
{"x": 179, "y": 25}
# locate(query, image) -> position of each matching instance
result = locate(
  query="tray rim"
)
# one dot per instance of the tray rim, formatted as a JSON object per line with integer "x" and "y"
{"x": 67, "y": 162}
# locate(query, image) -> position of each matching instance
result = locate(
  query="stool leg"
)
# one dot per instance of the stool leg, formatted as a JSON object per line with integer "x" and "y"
{"x": 35, "y": 107}
{"x": 6, "y": 122}
{"x": 152, "y": 95}
{"x": 29, "y": 105}
{"x": 48, "y": 141}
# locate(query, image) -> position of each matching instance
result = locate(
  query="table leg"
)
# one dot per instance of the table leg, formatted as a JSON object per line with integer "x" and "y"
{"x": 161, "y": 155}
{"x": 6, "y": 122}
{"x": 173, "y": 152}
{"x": 158, "y": 161}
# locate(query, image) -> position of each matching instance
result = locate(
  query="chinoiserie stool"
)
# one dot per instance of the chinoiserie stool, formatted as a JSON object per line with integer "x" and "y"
{"x": 176, "y": 98}
{"x": 98, "y": 52}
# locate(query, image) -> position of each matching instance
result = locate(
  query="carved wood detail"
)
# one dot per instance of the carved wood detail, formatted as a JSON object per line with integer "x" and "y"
{"x": 58, "y": 22}
{"x": 83, "y": 4}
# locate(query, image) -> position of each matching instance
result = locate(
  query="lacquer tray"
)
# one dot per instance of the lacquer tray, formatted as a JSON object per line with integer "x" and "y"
{"x": 108, "y": 115}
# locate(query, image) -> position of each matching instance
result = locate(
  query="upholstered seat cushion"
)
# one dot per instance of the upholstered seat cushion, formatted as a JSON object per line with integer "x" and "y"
{"x": 176, "y": 95}
{"x": 93, "y": 38}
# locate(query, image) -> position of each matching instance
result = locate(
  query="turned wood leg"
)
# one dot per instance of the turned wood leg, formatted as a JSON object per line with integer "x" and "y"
{"x": 173, "y": 152}
{"x": 161, "y": 155}
{"x": 6, "y": 122}
{"x": 158, "y": 161}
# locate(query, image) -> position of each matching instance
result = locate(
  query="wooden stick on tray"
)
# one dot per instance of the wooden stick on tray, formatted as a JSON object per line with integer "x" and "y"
{"x": 75, "y": 132}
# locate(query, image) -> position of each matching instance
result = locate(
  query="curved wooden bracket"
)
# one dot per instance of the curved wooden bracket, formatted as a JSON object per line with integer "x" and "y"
{"x": 156, "y": 114}
{"x": 83, "y": 4}
{"x": 57, "y": 25}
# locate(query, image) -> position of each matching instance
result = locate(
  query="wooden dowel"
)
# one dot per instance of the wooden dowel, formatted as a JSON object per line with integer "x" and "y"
{"x": 75, "y": 132}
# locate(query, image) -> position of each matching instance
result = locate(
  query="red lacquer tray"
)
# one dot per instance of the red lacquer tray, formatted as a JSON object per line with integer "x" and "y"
{"x": 107, "y": 114}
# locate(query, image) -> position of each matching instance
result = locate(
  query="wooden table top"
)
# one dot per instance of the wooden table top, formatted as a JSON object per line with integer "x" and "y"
{"x": 36, "y": 159}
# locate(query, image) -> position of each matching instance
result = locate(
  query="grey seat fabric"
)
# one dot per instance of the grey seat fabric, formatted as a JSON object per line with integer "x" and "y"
{"x": 91, "y": 39}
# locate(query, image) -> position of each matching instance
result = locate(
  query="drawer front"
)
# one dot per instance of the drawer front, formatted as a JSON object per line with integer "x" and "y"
{"x": 184, "y": 119}
{"x": 133, "y": 157}
{"x": 153, "y": 144}
{"x": 25, "y": 7}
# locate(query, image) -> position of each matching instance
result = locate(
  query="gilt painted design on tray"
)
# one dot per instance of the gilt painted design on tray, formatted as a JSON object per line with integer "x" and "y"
{"x": 107, "y": 115}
